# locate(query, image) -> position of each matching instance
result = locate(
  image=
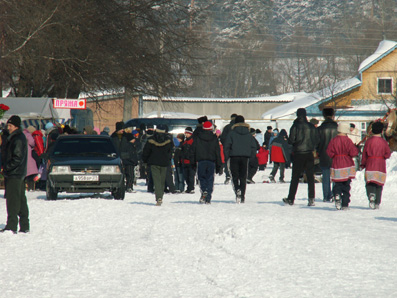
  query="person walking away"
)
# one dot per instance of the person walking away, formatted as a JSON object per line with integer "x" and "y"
{"x": 157, "y": 155}
{"x": 354, "y": 135}
{"x": 14, "y": 169}
{"x": 376, "y": 151}
{"x": 326, "y": 132}
{"x": 303, "y": 138}
{"x": 238, "y": 148}
{"x": 253, "y": 161}
{"x": 177, "y": 156}
{"x": 189, "y": 169}
{"x": 263, "y": 157}
{"x": 280, "y": 155}
{"x": 225, "y": 132}
{"x": 342, "y": 150}
{"x": 207, "y": 154}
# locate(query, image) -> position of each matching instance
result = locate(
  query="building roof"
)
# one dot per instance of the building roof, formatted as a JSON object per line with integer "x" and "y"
{"x": 385, "y": 47}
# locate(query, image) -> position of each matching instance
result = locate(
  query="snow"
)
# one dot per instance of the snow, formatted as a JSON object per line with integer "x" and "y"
{"x": 94, "y": 246}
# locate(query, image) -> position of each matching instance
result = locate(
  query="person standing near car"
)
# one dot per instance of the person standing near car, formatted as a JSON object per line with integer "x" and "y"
{"x": 124, "y": 147}
{"x": 157, "y": 155}
{"x": 15, "y": 169}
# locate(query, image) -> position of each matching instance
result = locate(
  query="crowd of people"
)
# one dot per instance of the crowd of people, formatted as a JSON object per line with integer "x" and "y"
{"x": 176, "y": 164}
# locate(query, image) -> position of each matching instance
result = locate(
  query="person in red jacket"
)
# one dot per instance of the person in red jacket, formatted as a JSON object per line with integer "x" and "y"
{"x": 263, "y": 157}
{"x": 342, "y": 150}
{"x": 376, "y": 151}
{"x": 279, "y": 155}
{"x": 189, "y": 168}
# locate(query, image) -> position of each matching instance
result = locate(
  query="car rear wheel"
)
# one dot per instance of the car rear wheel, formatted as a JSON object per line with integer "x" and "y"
{"x": 119, "y": 193}
{"x": 52, "y": 194}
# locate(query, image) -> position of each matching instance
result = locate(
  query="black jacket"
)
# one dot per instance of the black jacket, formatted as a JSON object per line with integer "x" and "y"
{"x": 127, "y": 151}
{"x": 16, "y": 155}
{"x": 303, "y": 136}
{"x": 240, "y": 142}
{"x": 226, "y": 130}
{"x": 206, "y": 147}
{"x": 326, "y": 131}
{"x": 158, "y": 150}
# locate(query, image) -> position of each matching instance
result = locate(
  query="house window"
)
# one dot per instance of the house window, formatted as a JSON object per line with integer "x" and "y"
{"x": 385, "y": 85}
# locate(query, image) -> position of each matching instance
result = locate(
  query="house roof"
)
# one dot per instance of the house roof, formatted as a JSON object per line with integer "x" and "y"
{"x": 385, "y": 47}
{"x": 314, "y": 99}
{"x": 280, "y": 98}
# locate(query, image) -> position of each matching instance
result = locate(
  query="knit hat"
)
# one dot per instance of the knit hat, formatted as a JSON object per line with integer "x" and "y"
{"x": 107, "y": 129}
{"x": 239, "y": 119}
{"x": 258, "y": 130}
{"x": 31, "y": 129}
{"x": 181, "y": 136}
{"x": 301, "y": 112}
{"x": 208, "y": 125}
{"x": 218, "y": 132}
{"x": 202, "y": 119}
{"x": 189, "y": 130}
{"x": 269, "y": 127}
{"x": 283, "y": 133}
{"x": 161, "y": 128}
{"x": 49, "y": 125}
{"x": 233, "y": 116}
{"x": 343, "y": 127}
{"x": 134, "y": 132}
{"x": 14, "y": 120}
{"x": 328, "y": 112}
{"x": 252, "y": 131}
{"x": 377, "y": 127}
{"x": 119, "y": 125}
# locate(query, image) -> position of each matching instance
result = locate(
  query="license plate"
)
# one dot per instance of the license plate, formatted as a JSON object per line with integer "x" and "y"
{"x": 85, "y": 178}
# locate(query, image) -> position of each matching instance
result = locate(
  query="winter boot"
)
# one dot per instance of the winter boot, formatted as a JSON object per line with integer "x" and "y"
{"x": 159, "y": 201}
{"x": 338, "y": 202}
{"x": 271, "y": 178}
{"x": 372, "y": 198}
{"x": 227, "y": 180}
{"x": 288, "y": 201}
{"x": 203, "y": 197}
{"x": 238, "y": 196}
{"x": 311, "y": 203}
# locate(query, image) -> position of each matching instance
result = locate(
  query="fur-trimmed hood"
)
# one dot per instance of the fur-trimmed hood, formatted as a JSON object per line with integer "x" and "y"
{"x": 241, "y": 128}
{"x": 159, "y": 139}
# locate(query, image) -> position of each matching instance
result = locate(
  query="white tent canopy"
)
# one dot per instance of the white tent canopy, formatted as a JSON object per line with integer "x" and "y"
{"x": 34, "y": 108}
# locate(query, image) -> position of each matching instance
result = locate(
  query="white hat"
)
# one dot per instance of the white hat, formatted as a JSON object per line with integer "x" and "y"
{"x": 344, "y": 127}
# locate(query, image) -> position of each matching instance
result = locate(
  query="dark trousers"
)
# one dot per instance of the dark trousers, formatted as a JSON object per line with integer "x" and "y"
{"x": 343, "y": 189}
{"x": 129, "y": 176}
{"x": 178, "y": 177}
{"x": 373, "y": 188}
{"x": 302, "y": 162}
{"x": 239, "y": 171}
{"x": 158, "y": 173}
{"x": 169, "y": 180}
{"x": 205, "y": 175}
{"x": 149, "y": 179}
{"x": 277, "y": 165}
{"x": 17, "y": 205}
{"x": 252, "y": 167}
{"x": 189, "y": 174}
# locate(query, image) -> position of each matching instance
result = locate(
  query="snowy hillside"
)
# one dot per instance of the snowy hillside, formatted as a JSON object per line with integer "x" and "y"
{"x": 82, "y": 246}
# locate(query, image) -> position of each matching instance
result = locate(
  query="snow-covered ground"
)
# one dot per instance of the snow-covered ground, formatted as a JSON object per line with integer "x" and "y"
{"x": 94, "y": 246}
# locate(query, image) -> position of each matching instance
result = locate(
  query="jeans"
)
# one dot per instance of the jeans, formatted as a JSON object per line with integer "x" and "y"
{"x": 326, "y": 181}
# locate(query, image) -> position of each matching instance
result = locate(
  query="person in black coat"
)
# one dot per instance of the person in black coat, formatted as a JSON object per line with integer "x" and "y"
{"x": 225, "y": 132}
{"x": 239, "y": 147}
{"x": 207, "y": 155}
{"x": 326, "y": 132}
{"x": 157, "y": 154}
{"x": 127, "y": 152}
{"x": 304, "y": 139}
{"x": 14, "y": 169}
{"x": 253, "y": 160}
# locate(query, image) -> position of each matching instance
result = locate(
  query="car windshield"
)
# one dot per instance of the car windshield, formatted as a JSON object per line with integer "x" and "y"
{"x": 84, "y": 147}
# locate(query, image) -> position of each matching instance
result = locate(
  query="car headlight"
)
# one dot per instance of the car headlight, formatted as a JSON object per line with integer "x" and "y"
{"x": 110, "y": 169}
{"x": 60, "y": 170}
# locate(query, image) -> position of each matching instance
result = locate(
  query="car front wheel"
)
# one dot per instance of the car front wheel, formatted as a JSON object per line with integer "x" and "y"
{"x": 119, "y": 193}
